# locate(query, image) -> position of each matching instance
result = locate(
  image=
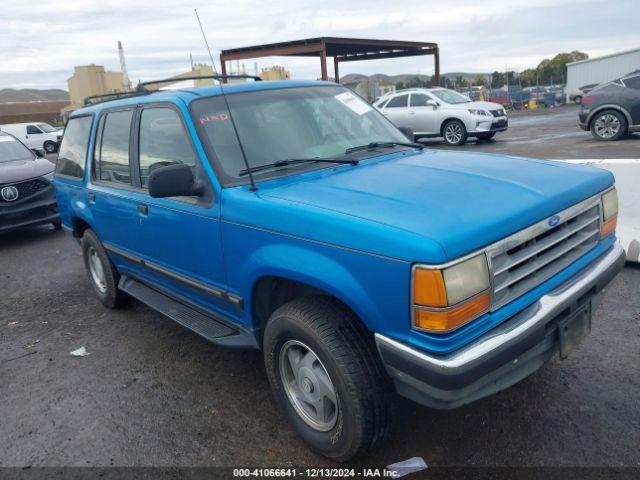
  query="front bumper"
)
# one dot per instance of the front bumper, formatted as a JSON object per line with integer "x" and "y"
{"x": 503, "y": 356}
{"x": 37, "y": 210}
{"x": 496, "y": 124}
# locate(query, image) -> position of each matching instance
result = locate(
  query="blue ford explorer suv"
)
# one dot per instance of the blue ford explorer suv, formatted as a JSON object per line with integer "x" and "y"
{"x": 294, "y": 218}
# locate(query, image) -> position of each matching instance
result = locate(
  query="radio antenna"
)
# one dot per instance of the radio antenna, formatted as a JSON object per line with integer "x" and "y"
{"x": 213, "y": 64}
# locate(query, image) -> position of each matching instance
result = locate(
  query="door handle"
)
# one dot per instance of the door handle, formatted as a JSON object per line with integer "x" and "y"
{"x": 143, "y": 209}
{"x": 91, "y": 197}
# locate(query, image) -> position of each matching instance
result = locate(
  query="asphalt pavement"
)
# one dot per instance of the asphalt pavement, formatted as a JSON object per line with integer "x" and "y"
{"x": 151, "y": 393}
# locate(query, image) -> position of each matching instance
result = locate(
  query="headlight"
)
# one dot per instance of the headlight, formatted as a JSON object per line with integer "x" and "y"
{"x": 609, "y": 212}
{"x": 482, "y": 113}
{"x": 48, "y": 176}
{"x": 445, "y": 299}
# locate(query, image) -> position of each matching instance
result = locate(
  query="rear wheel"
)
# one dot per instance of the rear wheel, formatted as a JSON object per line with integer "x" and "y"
{"x": 102, "y": 274}
{"x": 326, "y": 376}
{"x": 50, "y": 147}
{"x": 454, "y": 133}
{"x": 608, "y": 125}
{"x": 577, "y": 100}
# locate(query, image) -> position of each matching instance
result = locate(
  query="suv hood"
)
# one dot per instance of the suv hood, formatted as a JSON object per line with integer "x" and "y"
{"x": 476, "y": 106}
{"x": 18, "y": 170}
{"x": 459, "y": 201}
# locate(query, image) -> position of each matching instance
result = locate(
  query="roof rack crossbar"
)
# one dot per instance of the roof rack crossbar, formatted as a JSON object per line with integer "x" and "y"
{"x": 106, "y": 97}
{"x": 142, "y": 85}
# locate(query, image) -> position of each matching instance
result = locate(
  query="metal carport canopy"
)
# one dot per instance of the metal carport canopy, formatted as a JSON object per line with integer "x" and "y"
{"x": 341, "y": 49}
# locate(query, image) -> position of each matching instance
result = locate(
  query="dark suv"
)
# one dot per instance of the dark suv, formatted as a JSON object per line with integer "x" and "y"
{"x": 26, "y": 192}
{"x": 613, "y": 109}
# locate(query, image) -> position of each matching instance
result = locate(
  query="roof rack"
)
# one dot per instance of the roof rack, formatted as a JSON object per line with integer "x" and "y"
{"x": 107, "y": 97}
{"x": 142, "y": 89}
{"x": 142, "y": 85}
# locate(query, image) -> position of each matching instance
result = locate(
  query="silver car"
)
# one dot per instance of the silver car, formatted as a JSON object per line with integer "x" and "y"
{"x": 440, "y": 112}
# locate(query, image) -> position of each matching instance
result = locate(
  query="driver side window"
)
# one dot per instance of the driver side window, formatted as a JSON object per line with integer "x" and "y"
{"x": 163, "y": 141}
{"x": 33, "y": 130}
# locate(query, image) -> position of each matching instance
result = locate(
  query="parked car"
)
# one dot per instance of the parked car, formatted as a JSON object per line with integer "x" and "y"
{"x": 292, "y": 217}
{"x": 26, "y": 192}
{"x": 577, "y": 95}
{"x": 440, "y": 112}
{"x": 35, "y": 135}
{"x": 613, "y": 109}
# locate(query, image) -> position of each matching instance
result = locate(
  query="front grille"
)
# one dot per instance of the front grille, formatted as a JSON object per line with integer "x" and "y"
{"x": 499, "y": 123}
{"x": 497, "y": 113}
{"x": 523, "y": 261}
{"x": 26, "y": 189}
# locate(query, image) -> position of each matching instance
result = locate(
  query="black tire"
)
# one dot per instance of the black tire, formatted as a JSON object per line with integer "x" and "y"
{"x": 577, "y": 99}
{"x": 57, "y": 225}
{"x": 108, "y": 291}
{"x": 486, "y": 136}
{"x": 454, "y": 139}
{"x": 598, "y": 132}
{"x": 50, "y": 147}
{"x": 347, "y": 354}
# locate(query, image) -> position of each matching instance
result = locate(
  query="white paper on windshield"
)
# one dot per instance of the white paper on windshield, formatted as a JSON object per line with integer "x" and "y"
{"x": 354, "y": 103}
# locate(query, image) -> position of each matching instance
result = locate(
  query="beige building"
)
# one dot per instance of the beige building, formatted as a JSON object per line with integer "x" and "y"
{"x": 89, "y": 80}
{"x": 275, "y": 73}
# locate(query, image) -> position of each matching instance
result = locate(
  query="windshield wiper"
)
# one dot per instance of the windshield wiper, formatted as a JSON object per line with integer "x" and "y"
{"x": 372, "y": 145}
{"x": 293, "y": 161}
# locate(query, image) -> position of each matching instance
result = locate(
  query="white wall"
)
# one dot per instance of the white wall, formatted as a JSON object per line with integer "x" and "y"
{"x": 601, "y": 69}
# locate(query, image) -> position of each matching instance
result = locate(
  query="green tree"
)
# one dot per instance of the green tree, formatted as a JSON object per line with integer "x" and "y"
{"x": 498, "y": 79}
{"x": 555, "y": 69}
{"x": 480, "y": 80}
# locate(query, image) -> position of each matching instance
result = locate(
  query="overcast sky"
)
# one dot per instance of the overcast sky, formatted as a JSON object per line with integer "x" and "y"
{"x": 41, "y": 41}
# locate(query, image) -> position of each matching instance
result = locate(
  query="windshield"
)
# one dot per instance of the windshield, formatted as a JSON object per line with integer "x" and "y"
{"x": 46, "y": 128}
{"x": 12, "y": 150}
{"x": 450, "y": 96}
{"x": 288, "y": 123}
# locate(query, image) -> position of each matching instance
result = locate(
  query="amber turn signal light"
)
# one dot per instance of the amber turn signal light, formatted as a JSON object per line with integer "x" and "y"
{"x": 429, "y": 288}
{"x": 609, "y": 226}
{"x": 449, "y": 319}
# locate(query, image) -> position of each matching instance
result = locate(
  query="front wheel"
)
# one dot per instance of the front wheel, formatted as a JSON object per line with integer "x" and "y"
{"x": 326, "y": 376}
{"x": 609, "y": 125}
{"x": 577, "y": 100}
{"x": 454, "y": 133}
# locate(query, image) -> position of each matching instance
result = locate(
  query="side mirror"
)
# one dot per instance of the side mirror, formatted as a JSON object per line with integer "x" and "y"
{"x": 38, "y": 152}
{"x": 432, "y": 103}
{"x": 173, "y": 181}
{"x": 408, "y": 133}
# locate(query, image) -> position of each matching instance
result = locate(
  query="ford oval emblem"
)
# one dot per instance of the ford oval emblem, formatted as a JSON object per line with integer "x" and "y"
{"x": 553, "y": 221}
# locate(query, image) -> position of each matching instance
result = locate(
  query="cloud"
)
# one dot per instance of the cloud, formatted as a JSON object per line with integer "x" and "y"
{"x": 43, "y": 40}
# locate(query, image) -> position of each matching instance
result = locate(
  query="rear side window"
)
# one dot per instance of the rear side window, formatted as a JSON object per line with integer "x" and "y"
{"x": 73, "y": 150}
{"x": 112, "y": 151}
{"x": 399, "y": 101}
{"x": 163, "y": 141}
{"x": 633, "y": 82}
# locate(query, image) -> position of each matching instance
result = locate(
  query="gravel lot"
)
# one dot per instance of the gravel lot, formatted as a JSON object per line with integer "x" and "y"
{"x": 153, "y": 394}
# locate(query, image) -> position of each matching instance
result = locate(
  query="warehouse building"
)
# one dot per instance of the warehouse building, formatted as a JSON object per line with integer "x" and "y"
{"x": 601, "y": 69}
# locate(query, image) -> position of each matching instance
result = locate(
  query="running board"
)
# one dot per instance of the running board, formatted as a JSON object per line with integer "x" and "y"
{"x": 204, "y": 324}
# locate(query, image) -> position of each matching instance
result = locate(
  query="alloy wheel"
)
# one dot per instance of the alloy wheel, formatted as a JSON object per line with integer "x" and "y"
{"x": 97, "y": 270}
{"x": 453, "y": 133}
{"x": 607, "y": 126}
{"x": 308, "y": 386}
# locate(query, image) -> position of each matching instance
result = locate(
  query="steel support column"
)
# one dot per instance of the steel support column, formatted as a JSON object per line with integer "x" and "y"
{"x": 436, "y": 62}
{"x": 335, "y": 70}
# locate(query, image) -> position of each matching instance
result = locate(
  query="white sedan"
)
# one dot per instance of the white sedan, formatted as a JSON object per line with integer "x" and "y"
{"x": 439, "y": 112}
